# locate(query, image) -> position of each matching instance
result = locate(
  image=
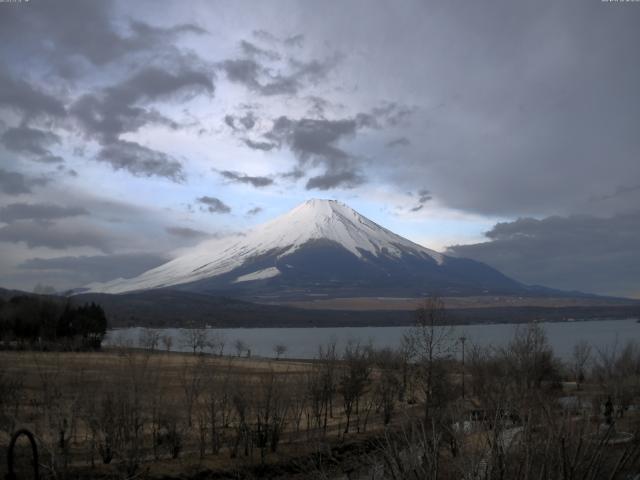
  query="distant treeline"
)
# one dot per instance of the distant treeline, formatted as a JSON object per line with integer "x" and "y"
{"x": 31, "y": 321}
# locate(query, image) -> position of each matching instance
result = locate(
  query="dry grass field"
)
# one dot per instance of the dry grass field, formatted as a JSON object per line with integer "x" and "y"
{"x": 171, "y": 413}
{"x": 410, "y": 304}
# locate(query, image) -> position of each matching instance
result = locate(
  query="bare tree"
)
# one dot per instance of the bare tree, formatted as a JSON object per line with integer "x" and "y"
{"x": 192, "y": 380}
{"x": 149, "y": 338}
{"x": 404, "y": 355}
{"x": 194, "y": 338}
{"x": 167, "y": 342}
{"x": 530, "y": 362}
{"x": 217, "y": 405}
{"x": 279, "y": 350}
{"x": 241, "y": 400}
{"x": 579, "y": 361}
{"x": 57, "y": 404}
{"x": 270, "y": 408}
{"x": 431, "y": 343}
{"x": 240, "y": 347}
{"x": 618, "y": 372}
{"x": 216, "y": 344}
{"x": 297, "y": 391}
{"x": 315, "y": 392}
{"x": 388, "y": 386}
{"x": 328, "y": 361}
{"x": 354, "y": 379}
{"x": 131, "y": 411}
{"x": 171, "y": 435}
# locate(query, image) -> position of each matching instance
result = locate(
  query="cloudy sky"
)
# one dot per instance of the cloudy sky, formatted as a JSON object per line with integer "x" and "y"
{"x": 504, "y": 131}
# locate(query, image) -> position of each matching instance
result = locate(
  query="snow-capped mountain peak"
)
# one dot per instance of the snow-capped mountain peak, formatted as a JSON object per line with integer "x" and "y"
{"x": 331, "y": 220}
{"x": 318, "y": 243}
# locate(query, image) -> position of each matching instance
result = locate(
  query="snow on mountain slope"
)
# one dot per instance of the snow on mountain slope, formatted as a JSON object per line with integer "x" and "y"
{"x": 313, "y": 220}
{"x": 258, "y": 275}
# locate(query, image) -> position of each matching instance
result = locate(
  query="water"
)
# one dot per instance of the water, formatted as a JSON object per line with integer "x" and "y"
{"x": 304, "y": 342}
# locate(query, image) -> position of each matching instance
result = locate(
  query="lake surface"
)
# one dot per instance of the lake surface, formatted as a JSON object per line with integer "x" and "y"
{"x": 304, "y": 342}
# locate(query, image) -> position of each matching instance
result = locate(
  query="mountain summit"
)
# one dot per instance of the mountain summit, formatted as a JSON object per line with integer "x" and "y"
{"x": 321, "y": 247}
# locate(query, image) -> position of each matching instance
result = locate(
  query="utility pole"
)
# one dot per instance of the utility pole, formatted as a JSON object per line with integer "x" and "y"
{"x": 462, "y": 340}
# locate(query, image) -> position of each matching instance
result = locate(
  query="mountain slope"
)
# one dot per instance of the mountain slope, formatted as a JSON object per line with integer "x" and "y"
{"x": 321, "y": 247}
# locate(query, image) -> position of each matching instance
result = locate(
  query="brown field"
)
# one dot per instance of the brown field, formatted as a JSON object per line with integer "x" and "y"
{"x": 67, "y": 388}
{"x": 393, "y": 304}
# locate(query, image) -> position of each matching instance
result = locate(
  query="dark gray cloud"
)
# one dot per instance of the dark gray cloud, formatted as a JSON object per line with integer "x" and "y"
{"x": 315, "y": 143}
{"x": 52, "y": 235}
{"x": 522, "y": 133}
{"x": 398, "y": 142}
{"x": 154, "y": 83}
{"x": 186, "y": 232}
{"x": 76, "y": 271}
{"x": 140, "y": 161}
{"x": 295, "y": 174}
{"x": 265, "y": 36}
{"x": 386, "y": 115}
{"x": 252, "y": 50}
{"x": 33, "y": 142}
{"x": 294, "y": 40}
{"x": 213, "y": 205}
{"x": 620, "y": 191}
{"x": 424, "y": 196}
{"x": 254, "y": 211}
{"x": 313, "y": 139}
{"x": 71, "y": 29}
{"x": 393, "y": 113}
{"x": 318, "y": 105}
{"x": 122, "y": 108}
{"x": 243, "y": 178}
{"x": 245, "y": 122}
{"x": 302, "y": 74}
{"x": 248, "y": 121}
{"x": 345, "y": 179}
{"x": 288, "y": 41}
{"x": 260, "y": 79}
{"x": 230, "y": 121}
{"x": 38, "y": 211}
{"x": 244, "y": 71}
{"x": 588, "y": 253}
{"x": 15, "y": 183}
{"x": 27, "y": 100}
{"x": 150, "y": 36}
{"x": 257, "y": 145}
{"x": 50, "y": 158}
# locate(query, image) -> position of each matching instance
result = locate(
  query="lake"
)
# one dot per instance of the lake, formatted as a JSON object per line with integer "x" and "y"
{"x": 304, "y": 342}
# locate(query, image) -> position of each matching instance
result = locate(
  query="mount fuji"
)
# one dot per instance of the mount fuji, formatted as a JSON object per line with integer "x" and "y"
{"x": 320, "y": 248}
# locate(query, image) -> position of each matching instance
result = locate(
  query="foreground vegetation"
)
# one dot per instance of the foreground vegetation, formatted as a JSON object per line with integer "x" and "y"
{"x": 416, "y": 412}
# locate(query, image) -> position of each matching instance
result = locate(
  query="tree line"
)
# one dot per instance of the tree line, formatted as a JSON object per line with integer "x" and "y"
{"x": 31, "y": 321}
